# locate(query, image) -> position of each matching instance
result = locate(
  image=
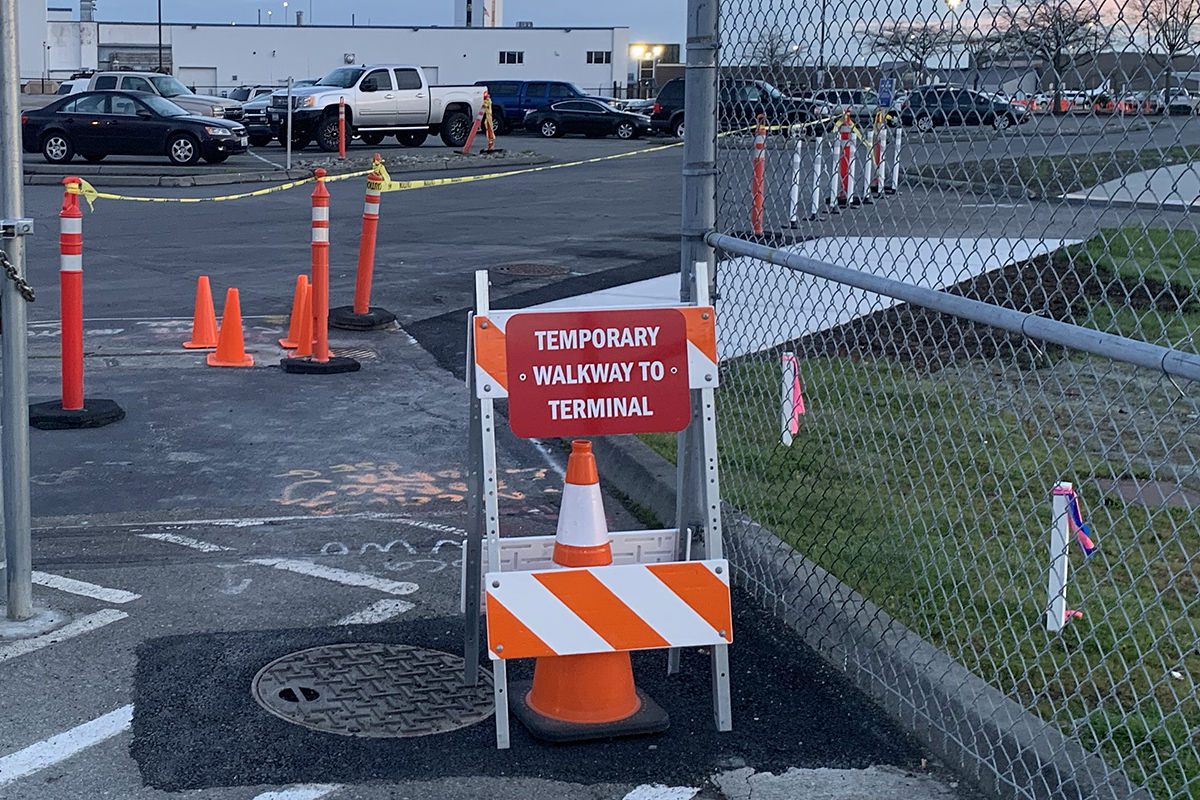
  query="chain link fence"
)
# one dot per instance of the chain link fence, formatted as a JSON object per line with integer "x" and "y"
{"x": 1035, "y": 157}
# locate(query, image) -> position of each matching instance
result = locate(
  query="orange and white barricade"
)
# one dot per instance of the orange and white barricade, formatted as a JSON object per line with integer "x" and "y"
{"x": 582, "y": 600}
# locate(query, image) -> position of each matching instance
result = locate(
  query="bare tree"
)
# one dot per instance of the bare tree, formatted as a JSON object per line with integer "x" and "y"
{"x": 912, "y": 42}
{"x": 1171, "y": 27}
{"x": 775, "y": 52}
{"x": 1054, "y": 31}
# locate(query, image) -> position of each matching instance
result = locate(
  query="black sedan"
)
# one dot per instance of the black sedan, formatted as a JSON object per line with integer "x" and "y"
{"x": 98, "y": 124}
{"x": 589, "y": 117}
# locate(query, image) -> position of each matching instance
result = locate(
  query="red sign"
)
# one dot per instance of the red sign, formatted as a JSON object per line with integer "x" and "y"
{"x": 590, "y": 373}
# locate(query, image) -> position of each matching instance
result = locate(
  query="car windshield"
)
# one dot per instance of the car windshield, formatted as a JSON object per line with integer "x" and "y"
{"x": 168, "y": 86}
{"x": 342, "y": 77}
{"x": 163, "y": 107}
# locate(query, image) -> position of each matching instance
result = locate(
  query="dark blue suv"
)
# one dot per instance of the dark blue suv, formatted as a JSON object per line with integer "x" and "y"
{"x": 929, "y": 107}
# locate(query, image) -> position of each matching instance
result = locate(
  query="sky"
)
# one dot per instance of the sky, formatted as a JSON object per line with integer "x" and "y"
{"x": 648, "y": 20}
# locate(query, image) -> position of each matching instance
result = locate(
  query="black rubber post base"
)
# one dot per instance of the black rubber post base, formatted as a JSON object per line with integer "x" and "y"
{"x": 889, "y": 190}
{"x": 96, "y": 413}
{"x": 494, "y": 152}
{"x": 343, "y": 317}
{"x": 310, "y": 366}
{"x": 650, "y": 718}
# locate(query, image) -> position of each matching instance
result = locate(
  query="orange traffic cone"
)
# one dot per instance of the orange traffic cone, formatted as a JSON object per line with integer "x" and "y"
{"x": 231, "y": 351}
{"x": 293, "y": 335}
{"x": 204, "y": 319}
{"x": 304, "y": 336}
{"x": 593, "y": 696}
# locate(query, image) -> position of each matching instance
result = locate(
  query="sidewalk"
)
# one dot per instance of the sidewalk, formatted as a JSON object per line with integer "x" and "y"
{"x": 1174, "y": 188}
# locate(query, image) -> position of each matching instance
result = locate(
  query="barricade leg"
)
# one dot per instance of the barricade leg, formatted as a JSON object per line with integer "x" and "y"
{"x": 322, "y": 362}
{"x": 361, "y": 316}
{"x": 72, "y": 410}
{"x": 1060, "y": 537}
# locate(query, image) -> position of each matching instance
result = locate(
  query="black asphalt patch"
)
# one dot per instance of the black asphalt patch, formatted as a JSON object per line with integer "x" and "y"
{"x": 196, "y": 726}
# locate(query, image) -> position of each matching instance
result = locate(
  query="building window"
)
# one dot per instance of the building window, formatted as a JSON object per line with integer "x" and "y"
{"x": 599, "y": 56}
{"x": 512, "y": 56}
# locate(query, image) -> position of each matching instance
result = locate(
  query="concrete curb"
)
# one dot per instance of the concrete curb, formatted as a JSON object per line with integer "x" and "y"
{"x": 977, "y": 731}
{"x": 41, "y": 176}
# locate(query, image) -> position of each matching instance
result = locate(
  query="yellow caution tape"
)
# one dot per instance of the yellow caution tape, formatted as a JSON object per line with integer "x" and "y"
{"x": 91, "y": 194}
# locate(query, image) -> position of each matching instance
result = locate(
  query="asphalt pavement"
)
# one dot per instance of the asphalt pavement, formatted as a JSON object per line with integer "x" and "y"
{"x": 236, "y": 516}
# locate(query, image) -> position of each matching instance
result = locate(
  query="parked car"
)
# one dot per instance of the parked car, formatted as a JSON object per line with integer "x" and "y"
{"x": 512, "y": 100}
{"x": 244, "y": 93}
{"x": 739, "y": 103}
{"x": 258, "y": 128}
{"x": 169, "y": 87}
{"x": 1181, "y": 102}
{"x": 381, "y": 99}
{"x": 589, "y": 117}
{"x": 933, "y": 106}
{"x": 863, "y": 103}
{"x": 99, "y": 124}
{"x": 72, "y": 86}
{"x": 1141, "y": 103}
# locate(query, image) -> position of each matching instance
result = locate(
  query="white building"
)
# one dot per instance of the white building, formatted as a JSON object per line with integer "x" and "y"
{"x": 212, "y": 57}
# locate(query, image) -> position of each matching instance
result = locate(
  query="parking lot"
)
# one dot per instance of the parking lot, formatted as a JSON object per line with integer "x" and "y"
{"x": 235, "y": 516}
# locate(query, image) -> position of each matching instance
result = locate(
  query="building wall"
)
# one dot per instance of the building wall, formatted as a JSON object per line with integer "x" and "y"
{"x": 268, "y": 54}
{"x": 479, "y": 19}
{"x": 31, "y": 32}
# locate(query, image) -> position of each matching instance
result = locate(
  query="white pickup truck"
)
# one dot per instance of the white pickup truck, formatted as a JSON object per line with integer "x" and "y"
{"x": 381, "y": 99}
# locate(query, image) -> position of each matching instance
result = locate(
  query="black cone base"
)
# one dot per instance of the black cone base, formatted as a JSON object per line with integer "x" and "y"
{"x": 96, "y": 413}
{"x": 650, "y": 718}
{"x": 310, "y": 366}
{"x": 343, "y": 317}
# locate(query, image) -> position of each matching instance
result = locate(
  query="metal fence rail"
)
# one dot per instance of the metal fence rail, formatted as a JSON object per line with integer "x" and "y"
{"x": 952, "y": 339}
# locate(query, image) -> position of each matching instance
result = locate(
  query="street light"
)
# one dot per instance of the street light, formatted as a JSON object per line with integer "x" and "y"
{"x": 269, "y": 13}
{"x": 285, "y": 19}
{"x": 160, "y": 57}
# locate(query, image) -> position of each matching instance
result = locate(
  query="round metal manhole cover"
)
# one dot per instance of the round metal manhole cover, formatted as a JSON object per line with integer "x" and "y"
{"x": 373, "y": 690}
{"x": 530, "y": 270}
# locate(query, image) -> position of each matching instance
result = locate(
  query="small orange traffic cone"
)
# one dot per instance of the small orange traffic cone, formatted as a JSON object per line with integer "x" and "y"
{"x": 204, "y": 319}
{"x": 304, "y": 336}
{"x": 593, "y": 696}
{"x": 231, "y": 350}
{"x": 295, "y": 321}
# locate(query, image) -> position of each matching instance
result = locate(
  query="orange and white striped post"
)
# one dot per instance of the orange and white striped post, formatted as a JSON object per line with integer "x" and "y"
{"x": 484, "y": 110}
{"x": 881, "y": 137}
{"x": 758, "y": 182}
{"x": 70, "y": 280}
{"x": 72, "y": 410}
{"x": 320, "y": 266}
{"x": 844, "y": 161}
{"x": 360, "y": 316}
{"x": 322, "y": 361}
{"x": 342, "y": 128}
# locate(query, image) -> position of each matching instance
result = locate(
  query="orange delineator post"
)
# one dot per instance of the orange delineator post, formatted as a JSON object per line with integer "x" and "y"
{"x": 484, "y": 106}
{"x": 758, "y": 183}
{"x": 844, "y": 161}
{"x": 70, "y": 278}
{"x": 342, "y": 128}
{"x": 320, "y": 267}
{"x": 366, "y": 245}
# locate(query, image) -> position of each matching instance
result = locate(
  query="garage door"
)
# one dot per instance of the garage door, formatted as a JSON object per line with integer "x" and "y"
{"x": 201, "y": 80}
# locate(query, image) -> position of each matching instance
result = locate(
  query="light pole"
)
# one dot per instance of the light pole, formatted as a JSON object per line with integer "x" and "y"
{"x": 821, "y": 50}
{"x": 160, "y": 58}
{"x": 269, "y": 13}
{"x": 285, "y": 17}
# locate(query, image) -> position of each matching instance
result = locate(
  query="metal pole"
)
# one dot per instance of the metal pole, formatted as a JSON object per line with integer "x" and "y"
{"x": 14, "y": 400}
{"x": 700, "y": 143}
{"x": 160, "y": 60}
{"x": 288, "y": 136}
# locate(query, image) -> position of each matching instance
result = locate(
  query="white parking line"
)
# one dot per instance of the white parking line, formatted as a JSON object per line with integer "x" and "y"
{"x": 83, "y": 588}
{"x": 385, "y": 609}
{"x": 307, "y": 791}
{"x": 337, "y": 575}
{"x": 185, "y": 541}
{"x": 15, "y": 766}
{"x": 82, "y": 625}
{"x": 656, "y": 791}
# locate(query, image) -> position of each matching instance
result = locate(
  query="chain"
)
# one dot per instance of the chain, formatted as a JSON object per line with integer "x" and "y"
{"x": 10, "y": 272}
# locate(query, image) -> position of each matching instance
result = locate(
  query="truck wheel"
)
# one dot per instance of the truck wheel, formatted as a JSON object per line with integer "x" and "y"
{"x": 499, "y": 123}
{"x": 260, "y": 141}
{"x": 371, "y": 139}
{"x": 412, "y": 138}
{"x": 456, "y": 126}
{"x": 327, "y": 133}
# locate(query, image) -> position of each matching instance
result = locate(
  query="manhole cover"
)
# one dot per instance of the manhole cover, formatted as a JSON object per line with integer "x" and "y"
{"x": 530, "y": 269}
{"x": 373, "y": 690}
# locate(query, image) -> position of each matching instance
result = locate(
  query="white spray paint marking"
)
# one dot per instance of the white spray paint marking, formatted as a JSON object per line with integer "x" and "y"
{"x": 656, "y": 791}
{"x": 15, "y": 766}
{"x": 252, "y": 522}
{"x": 377, "y": 612}
{"x": 264, "y": 160}
{"x": 336, "y": 575}
{"x": 185, "y": 541}
{"x": 83, "y": 588}
{"x": 549, "y": 458}
{"x": 82, "y": 625}
{"x": 307, "y": 791}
